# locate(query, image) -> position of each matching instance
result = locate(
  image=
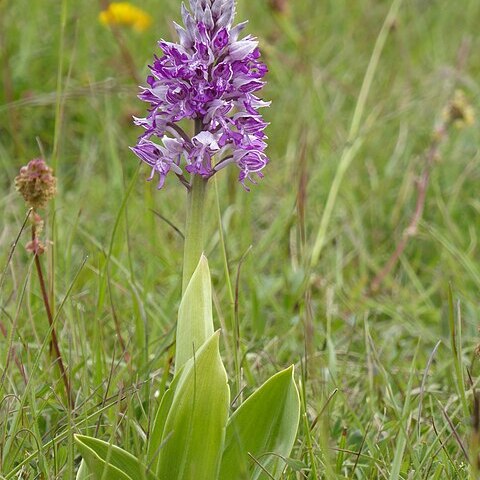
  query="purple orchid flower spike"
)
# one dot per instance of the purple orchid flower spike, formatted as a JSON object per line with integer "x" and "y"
{"x": 210, "y": 76}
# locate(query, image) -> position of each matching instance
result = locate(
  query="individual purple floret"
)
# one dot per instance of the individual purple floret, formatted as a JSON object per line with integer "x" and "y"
{"x": 210, "y": 76}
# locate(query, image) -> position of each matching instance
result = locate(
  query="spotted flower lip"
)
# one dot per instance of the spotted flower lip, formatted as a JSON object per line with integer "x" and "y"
{"x": 210, "y": 76}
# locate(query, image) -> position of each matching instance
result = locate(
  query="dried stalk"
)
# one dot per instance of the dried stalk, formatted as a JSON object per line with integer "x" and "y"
{"x": 54, "y": 343}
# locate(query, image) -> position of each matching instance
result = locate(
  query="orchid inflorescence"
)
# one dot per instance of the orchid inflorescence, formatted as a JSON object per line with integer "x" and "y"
{"x": 210, "y": 76}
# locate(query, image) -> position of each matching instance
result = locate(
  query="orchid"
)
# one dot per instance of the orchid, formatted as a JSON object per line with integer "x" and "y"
{"x": 210, "y": 76}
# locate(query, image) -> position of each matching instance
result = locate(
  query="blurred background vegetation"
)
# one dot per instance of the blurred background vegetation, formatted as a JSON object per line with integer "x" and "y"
{"x": 373, "y": 409}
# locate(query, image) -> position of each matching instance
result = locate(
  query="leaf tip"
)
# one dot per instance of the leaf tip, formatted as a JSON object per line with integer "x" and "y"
{"x": 78, "y": 438}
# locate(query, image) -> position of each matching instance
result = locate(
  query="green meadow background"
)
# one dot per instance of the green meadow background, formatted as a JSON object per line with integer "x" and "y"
{"x": 388, "y": 378}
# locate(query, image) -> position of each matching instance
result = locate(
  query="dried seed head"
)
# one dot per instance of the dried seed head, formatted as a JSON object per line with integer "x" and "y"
{"x": 459, "y": 111}
{"x": 279, "y": 5}
{"x": 36, "y": 183}
{"x": 35, "y": 246}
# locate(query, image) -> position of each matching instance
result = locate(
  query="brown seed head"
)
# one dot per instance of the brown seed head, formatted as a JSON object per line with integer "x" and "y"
{"x": 459, "y": 111}
{"x": 36, "y": 183}
{"x": 35, "y": 246}
{"x": 280, "y": 6}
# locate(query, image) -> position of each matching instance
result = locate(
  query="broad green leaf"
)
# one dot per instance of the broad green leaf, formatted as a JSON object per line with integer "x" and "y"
{"x": 265, "y": 427}
{"x": 108, "y": 462}
{"x": 194, "y": 432}
{"x": 155, "y": 440}
{"x": 195, "y": 321}
{"x": 83, "y": 473}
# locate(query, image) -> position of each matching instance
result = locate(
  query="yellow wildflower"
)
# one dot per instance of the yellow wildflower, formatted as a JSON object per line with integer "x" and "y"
{"x": 459, "y": 111}
{"x": 124, "y": 13}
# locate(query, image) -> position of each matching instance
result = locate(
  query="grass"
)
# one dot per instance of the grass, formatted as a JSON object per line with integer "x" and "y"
{"x": 388, "y": 379}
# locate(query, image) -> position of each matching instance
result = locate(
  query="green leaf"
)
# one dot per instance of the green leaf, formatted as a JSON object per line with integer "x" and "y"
{"x": 194, "y": 432}
{"x": 108, "y": 462}
{"x": 195, "y": 321}
{"x": 155, "y": 440}
{"x": 295, "y": 465}
{"x": 83, "y": 473}
{"x": 265, "y": 428}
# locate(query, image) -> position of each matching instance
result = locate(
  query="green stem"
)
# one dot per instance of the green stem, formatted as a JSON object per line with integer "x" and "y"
{"x": 194, "y": 237}
{"x": 354, "y": 141}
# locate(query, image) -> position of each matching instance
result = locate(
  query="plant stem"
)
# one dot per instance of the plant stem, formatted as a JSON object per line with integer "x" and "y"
{"x": 354, "y": 140}
{"x": 431, "y": 156}
{"x": 194, "y": 228}
{"x": 422, "y": 187}
{"x": 193, "y": 246}
{"x": 56, "y": 348}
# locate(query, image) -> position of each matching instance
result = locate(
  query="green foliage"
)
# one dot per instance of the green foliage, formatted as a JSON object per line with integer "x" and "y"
{"x": 188, "y": 434}
{"x": 83, "y": 473}
{"x": 192, "y": 439}
{"x": 156, "y": 435}
{"x": 109, "y": 462}
{"x": 187, "y": 440}
{"x": 194, "y": 328}
{"x": 263, "y": 428}
{"x": 195, "y": 322}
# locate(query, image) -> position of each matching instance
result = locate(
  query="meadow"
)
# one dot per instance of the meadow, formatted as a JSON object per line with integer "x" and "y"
{"x": 387, "y": 363}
